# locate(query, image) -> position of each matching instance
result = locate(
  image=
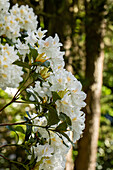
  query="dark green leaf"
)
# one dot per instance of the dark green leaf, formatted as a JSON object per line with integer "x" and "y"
{"x": 28, "y": 131}
{"x": 38, "y": 63}
{"x": 19, "y": 129}
{"x": 28, "y": 128}
{"x": 21, "y": 64}
{"x": 33, "y": 52}
{"x": 55, "y": 96}
{"x": 66, "y": 118}
{"x": 52, "y": 116}
{"x": 61, "y": 127}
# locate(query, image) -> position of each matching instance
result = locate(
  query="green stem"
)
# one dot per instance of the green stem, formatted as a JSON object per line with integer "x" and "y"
{"x": 15, "y": 96}
{"x": 2, "y": 146}
{"x": 14, "y": 99}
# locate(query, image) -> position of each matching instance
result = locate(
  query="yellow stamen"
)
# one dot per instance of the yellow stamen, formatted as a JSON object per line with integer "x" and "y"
{"x": 5, "y": 66}
{"x": 68, "y": 79}
{"x": 74, "y": 118}
{"x": 4, "y": 75}
{"x": 26, "y": 21}
{"x": 74, "y": 91}
{"x": 64, "y": 102}
{"x": 22, "y": 11}
{"x": 7, "y": 27}
{"x": 17, "y": 19}
{"x": 11, "y": 22}
{"x": 60, "y": 80}
{"x": 4, "y": 48}
{"x": 8, "y": 52}
{"x": 46, "y": 44}
{"x": 59, "y": 67}
{"x": 43, "y": 151}
{"x": 5, "y": 18}
{"x": 40, "y": 34}
{"x": 48, "y": 161}
{"x": 5, "y": 58}
{"x": 53, "y": 139}
{"x": 14, "y": 12}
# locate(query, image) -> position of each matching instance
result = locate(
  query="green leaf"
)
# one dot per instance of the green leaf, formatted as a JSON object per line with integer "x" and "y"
{"x": 37, "y": 63}
{"x": 52, "y": 116}
{"x": 12, "y": 129}
{"x": 33, "y": 52}
{"x": 28, "y": 131}
{"x": 66, "y": 118}
{"x": 19, "y": 129}
{"x": 61, "y": 127}
{"x": 55, "y": 96}
{"x": 28, "y": 128}
{"x": 21, "y": 64}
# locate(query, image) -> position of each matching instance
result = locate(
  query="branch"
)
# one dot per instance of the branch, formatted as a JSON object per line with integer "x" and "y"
{"x": 14, "y": 99}
{"x": 21, "y": 123}
{"x": 13, "y": 161}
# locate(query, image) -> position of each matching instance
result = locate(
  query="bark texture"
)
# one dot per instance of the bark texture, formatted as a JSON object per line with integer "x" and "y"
{"x": 87, "y": 147}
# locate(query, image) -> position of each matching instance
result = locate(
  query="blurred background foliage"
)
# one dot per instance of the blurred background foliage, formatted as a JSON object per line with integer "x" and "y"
{"x": 72, "y": 35}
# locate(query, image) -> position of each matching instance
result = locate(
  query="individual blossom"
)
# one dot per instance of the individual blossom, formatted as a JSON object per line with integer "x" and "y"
{"x": 78, "y": 124}
{"x": 64, "y": 105}
{"x": 40, "y": 34}
{"x": 50, "y": 46}
{"x": 58, "y": 80}
{"x": 31, "y": 38}
{"x": 23, "y": 48}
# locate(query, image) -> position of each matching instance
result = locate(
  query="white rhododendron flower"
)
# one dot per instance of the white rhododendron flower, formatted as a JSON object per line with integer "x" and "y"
{"x": 40, "y": 34}
{"x": 9, "y": 72}
{"x": 23, "y": 49}
{"x": 25, "y": 17}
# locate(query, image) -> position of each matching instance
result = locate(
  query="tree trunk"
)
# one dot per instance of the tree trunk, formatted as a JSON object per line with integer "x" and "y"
{"x": 87, "y": 147}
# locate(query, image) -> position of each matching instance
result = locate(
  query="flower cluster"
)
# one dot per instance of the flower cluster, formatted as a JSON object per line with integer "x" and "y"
{"x": 9, "y": 72}
{"x": 56, "y": 94}
{"x": 14, "y": 20}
